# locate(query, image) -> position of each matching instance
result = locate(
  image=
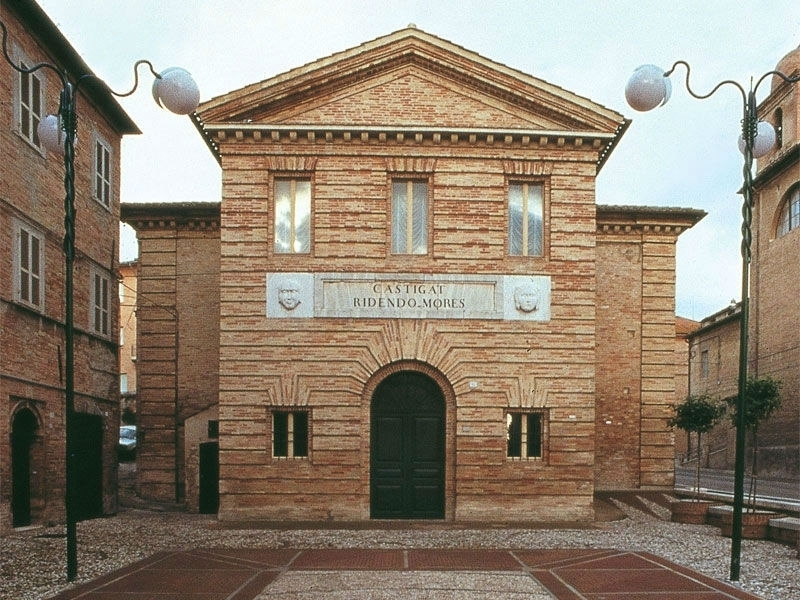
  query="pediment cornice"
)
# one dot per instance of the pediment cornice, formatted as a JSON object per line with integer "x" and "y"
{"x": 510, "y": 107}
{"x": 600, "y": 143}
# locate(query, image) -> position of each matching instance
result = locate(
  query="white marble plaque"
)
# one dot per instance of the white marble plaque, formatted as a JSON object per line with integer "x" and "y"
{"x": 408, "y": 296}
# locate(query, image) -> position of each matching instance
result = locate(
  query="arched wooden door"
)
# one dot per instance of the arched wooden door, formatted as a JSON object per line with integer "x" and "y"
{"x": 407, "y": 448}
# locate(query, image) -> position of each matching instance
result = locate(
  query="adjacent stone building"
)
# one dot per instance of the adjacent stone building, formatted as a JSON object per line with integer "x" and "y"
{"x": 32, "y": 287}
{"x": 177, "y": 349}
{"x": 683, "y": 329}
{"x": 714, "y": 371}
{"x": 408, "y": 303}
{"x": 774, "y": 324}
{"x": 774, "y": 330}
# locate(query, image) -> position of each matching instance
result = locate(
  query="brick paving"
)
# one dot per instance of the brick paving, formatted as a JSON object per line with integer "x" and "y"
{"x": 244, "y": 574}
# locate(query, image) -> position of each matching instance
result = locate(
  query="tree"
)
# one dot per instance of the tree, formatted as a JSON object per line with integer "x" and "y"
{"x": 761, "y": 398}
{"x": 698, "y": 414}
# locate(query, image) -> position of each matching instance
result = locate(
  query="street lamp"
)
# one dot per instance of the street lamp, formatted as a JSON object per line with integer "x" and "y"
{"x": 173, "y": 89}
{"x": 648, "y": 87}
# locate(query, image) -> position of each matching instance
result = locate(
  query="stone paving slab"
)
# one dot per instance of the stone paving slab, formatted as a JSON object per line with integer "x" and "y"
{"x": 350, "y": 559}
{"x": 403, "y": 585}
{"x": 331, "y": 574}
{"x": 462, "y": 560}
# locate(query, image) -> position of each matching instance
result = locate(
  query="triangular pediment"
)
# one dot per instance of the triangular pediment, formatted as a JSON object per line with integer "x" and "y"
{"x": 411, "y": 97}
{"x": 410, "y": 79}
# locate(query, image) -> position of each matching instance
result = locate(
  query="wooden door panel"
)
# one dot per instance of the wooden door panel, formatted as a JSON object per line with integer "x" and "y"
{"x": 407, "y": 448}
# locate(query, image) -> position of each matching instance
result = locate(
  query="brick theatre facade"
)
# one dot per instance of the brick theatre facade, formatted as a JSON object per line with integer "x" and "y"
{"x": 408, "y": 304}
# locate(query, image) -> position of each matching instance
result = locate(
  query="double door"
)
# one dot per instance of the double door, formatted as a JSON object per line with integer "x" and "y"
{"x": 407, "y": 448}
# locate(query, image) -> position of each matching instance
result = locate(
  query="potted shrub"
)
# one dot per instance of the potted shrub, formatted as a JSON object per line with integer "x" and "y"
{"x": 697, "y": 414}
{"x": 761, "y": 399}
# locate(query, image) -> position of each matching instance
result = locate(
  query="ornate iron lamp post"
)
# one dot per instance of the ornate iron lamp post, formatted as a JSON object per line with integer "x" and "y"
{"x": 173, "y": 89}
{"x": 648, "y": 87}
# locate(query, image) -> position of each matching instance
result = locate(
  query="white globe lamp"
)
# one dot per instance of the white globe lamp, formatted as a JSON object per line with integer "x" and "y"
{"x": 764, "y": 140}
{"x": 176, "y": 90}
{"x": 51, "y": 135}
{"x": 647, "y": 88}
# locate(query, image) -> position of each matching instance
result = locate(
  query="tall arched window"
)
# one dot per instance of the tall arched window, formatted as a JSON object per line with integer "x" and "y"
{"x": 789, "y": 217}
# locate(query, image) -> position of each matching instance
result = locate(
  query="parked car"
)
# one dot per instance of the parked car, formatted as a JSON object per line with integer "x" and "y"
{"x": 126, "y": 449}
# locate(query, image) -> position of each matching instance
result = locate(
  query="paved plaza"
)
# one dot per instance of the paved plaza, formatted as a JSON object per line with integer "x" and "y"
{"x": 630, "y": 551}
{"x": 260, "y": 574}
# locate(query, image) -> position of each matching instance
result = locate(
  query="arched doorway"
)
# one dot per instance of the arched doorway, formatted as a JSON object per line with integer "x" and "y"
{"x": 407, "y": 448}
{"x": 23, "y": 434}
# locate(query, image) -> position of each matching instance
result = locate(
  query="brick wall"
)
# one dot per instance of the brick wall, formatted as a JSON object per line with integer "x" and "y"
{"x": 325, "y": 364}
{"x": 619, "y": 343}
{"x": 331, "y": 369}
{"x": 636, "y": 352}
{"x": 774, "y": 323}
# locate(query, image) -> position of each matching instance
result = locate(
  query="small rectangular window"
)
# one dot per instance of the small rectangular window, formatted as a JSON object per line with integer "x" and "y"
{"x": 102, "y": 174}
{"x": 524, "y": 434}
{"x": 100, "y": 314}
{"x": 704, "y": 364}
{"x": 29, "y": 266}
{"x": 525, "y": 219}
{"x": 409, "y": 217}
{"x": 292, "y": 216}
{"x": 30, "y": 105}
{"x": 290, "y": 434}
{"x": 213, "y": 429}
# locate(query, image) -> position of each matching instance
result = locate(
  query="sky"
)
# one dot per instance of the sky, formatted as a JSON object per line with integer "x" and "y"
{"x": 681, "y": 155}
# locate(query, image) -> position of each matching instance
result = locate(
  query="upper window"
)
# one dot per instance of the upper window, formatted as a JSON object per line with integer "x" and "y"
{"x": 789, "y": 217}
{"x": 29, "y": 266}
{"x": 525, "y": 218}
{"x": 102, "y": 173}
{"x": 292, "y": 216}
{"x": 409, "y": 217}
{"x": 29, "y": 105}
{"x": 100, "y": 300}
{"x": 704, "y": 364}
